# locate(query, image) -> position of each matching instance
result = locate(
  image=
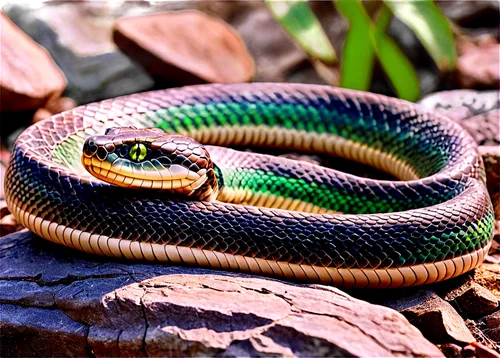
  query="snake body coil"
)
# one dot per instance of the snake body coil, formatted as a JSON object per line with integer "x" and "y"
{"x": 272, "y": 216}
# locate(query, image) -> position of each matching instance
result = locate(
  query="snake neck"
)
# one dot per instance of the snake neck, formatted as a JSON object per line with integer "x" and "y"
{"x": 209, "y": 190}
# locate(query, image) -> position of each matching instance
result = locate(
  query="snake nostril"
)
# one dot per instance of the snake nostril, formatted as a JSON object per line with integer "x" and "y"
{"x": 90, "y": 148}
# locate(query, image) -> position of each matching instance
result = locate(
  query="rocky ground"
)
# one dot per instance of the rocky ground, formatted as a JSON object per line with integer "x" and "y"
{"x": 57, "y": 302}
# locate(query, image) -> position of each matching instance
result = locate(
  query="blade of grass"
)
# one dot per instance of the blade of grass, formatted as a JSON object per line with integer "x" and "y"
{"x": 431, "y": 27}
{"x": 303, "y": 26}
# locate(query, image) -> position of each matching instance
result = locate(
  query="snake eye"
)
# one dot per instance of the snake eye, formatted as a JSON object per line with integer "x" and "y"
{"x": 138, "y": 152}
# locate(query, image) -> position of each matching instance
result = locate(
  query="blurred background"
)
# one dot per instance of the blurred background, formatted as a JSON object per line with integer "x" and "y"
{"x": 56, "y": 55}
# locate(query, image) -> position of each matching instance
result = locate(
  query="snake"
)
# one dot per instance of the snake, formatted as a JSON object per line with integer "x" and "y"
{"x": 163, "y": 176}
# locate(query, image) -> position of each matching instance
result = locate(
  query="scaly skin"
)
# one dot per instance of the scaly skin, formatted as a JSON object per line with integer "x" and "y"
{"x": 435, "y": 223}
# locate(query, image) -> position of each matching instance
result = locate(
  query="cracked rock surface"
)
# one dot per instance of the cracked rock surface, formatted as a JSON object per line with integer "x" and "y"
{"x": 59, "y": 302}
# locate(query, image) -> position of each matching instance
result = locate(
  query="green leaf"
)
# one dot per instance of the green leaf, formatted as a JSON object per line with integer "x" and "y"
{"x": 357, "y": 56}
{"x": 431, "y": 27}
{"x": 397, "y": 67}
{"x": 304, "y": 27}
{"x": 364, "y": 39}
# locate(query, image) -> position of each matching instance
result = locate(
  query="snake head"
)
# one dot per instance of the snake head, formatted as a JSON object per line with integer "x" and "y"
{"x": 151, "y": 159}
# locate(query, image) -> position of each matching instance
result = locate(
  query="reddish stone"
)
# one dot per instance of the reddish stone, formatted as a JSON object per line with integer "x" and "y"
{"x": 479, "y": 67}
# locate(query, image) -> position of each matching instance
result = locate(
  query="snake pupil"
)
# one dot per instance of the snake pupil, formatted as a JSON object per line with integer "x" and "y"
{"x": 138, "y": 152}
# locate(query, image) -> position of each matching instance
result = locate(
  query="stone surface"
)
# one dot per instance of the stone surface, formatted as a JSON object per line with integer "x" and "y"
{"x": 488, "y": 275}
{"x": 8, "y": 225}
{"x": 186, "y": 47}
{"x": 492, "y": 326}
{"x": 28, "y": 75}
{"x": 435, "y": 317}
{"x": 477, "y": 300}
{"x": 472, "y": 299}
{"x": 88, "y": 305}
{"x": 479, "y": 67}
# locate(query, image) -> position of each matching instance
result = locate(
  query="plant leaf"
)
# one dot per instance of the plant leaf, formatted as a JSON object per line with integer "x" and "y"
{"x": 304, "y": 27}
{"x": 396, "y": 65}
{"x": 357, "y": 55}
{"x": 369, "y": 39}
{"x": 431, "y": 27}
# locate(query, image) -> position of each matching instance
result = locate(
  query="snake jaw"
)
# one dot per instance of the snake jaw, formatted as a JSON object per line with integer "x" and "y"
{"x": 151, "y": 159}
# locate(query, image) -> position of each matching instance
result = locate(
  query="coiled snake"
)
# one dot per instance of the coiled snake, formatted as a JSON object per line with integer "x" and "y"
{"x": 225, "y": 209}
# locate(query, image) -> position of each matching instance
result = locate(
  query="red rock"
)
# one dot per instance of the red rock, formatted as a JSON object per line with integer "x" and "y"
{"x": 483, "y": 351}
{"x": 135, "y": 309}
{"x": 53, "y": 107}
{"x": 186, "y": 47}
{"x": 28, "y": 75}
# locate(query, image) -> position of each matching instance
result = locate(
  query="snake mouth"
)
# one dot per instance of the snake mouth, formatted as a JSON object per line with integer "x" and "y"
{"x": 147, "y": 175}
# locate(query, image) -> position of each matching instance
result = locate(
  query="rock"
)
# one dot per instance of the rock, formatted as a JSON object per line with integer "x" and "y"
{"x": 479, "y": 113}
{"x": 451, "y": 350}
{"x": 4, "y": 210}
{"x": 473, "y": 299}
{"x": 479, "y": 67}
{"x": 78, "y": 36}
{"x": 436, "y": 318}
{"x": 186, "y": 47}
{"x": 492, "y": 326}
{"x": 488, "y": 276}
{"x": 28, "y": 75}
{"x": 54, "y": 107}
{"x": 468, "y": 351}
{"x": 477, "y": 300}
{"x": 90, "y": 305}
{"x": 60, "y": 105}
{"x": 41, "y": 114}
{"x": 8, "y": 225}
{"x": 471, "y": 13}
{"x": 275, "y": 54}
{"x": 484, "y": 352}
{"x": 475, "y": 110}
{"x": 83, "y": 28}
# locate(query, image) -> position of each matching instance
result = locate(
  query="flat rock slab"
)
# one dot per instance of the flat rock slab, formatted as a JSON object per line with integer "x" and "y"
{"x": 29, "y": 78}
{"x": 185, "y": 47}
{"x": 56, "y": 301}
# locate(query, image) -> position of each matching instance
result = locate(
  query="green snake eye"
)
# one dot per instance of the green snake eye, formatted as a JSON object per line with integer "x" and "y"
{"x": 138, "y": 152}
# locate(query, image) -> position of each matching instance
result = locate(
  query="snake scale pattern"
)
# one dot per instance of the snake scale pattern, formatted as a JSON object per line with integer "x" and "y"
{"x": 264, "y": 215}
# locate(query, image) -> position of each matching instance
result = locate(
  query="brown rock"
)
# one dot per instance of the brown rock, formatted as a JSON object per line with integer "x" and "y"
{"x": 186, "y": 47}
{"x": 83, "y": 27}
{"x": 8, "y": 225}
{"x": 477, "y": 300}
{"x": 28, "y": 75}
{"x": 479, "y": 67}
{"x": 473, "y": 299}
{"x": 492, "y": 326}
{"x": 128, "y": 308}
{"x": 4, "y": 210}
{"x": 60, "y": 105}
{"x": 53, "y": 107}
{"x": 436, "y": 318}
{"x": 488, "y": 275}
{"x": 483, "y": 351}
{"x": 451, "y": 350}
{"x": 41, "y": 114}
